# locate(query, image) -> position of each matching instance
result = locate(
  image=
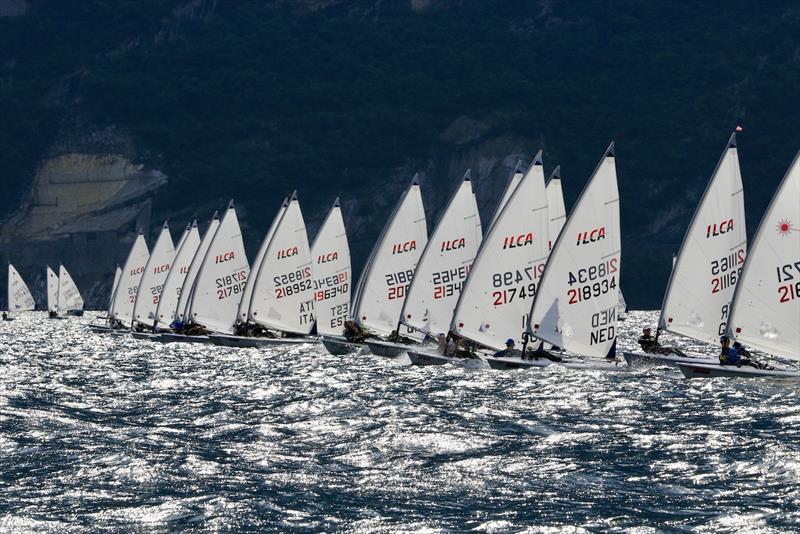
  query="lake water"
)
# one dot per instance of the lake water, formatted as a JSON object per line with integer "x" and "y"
{"x": 110, "y": 433}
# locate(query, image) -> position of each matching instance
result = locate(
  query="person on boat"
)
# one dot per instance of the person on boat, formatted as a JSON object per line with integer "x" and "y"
{"x": 508, "y": 351}
{"x": 450, "y": 347}
{"x": 541, "y": 352}
{"x": 354, "y": 333}
{"x": 734, "y": 355}
{"x": 649, "y": 343}
{"x": 5, "y": 316}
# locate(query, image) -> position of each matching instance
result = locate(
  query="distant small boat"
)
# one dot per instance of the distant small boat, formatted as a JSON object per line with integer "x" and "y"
{"x": 125, "y": 294}
{"x": 151, "y": 283}
{"x": 70, "y": 301}
{"x": 19, "y": 296}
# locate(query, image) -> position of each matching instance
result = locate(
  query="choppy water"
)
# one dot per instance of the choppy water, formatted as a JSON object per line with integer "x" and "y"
{"x": 110, "y": 433}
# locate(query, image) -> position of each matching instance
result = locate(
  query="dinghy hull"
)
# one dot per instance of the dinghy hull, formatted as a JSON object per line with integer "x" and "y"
{"x": 387, "y": 349}
{"x": 181, "y": 338}
{"x": 728, "y": 371}
{"x": 145, "y": 336}
{"x": 226, "y": 340}
{"x": 641, "y": 359}
{"x": 340, "y": 347}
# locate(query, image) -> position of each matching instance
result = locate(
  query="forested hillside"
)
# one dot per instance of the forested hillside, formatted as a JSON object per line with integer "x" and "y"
{"x": 251, "y": 99}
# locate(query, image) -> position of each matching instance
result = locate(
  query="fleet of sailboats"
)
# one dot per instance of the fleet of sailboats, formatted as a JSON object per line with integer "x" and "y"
{"x": 538, "y": 288}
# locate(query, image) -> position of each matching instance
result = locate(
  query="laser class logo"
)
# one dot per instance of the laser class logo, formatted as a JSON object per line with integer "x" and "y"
{"x": 785, "y": 227}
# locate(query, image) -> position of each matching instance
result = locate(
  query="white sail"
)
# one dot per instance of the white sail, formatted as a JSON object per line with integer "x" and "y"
{"x": 117, "y": 276}
{"x": 171, "y": 293}
{"x": 391, "y": 265}
{"x": 330, "y": 253}
{"x": 128, "y": 286}
{"x": 52, "y": 290}
{"x": 700, "y": 289}
{"x": 765, "y": 313}
{"x": 181, "y": 314}
{"x": 155, "y": 273}
{"x": 283, "y": 291}
{"x": 221, "y": 279}
{"x": 247, "y": 295}
{"x": 555, "y": 205}
{"x": 69, "y": 298}
{"x": 19, "y": 296}
{"x": 622, "y": 306}
{"x": 513, "y": 182}
{"x": 444, "y": 264}
{"x": 575, "y": 306}
{"x": 497, "y": 295}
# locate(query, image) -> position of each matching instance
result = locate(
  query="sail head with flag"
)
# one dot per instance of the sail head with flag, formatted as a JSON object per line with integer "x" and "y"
{"x": 283, "y": 291}
{"x": 330, "y": 254}
{"x": 575, "y": 307}
{"x": 703, "y": 279}
{"x": 497, "y": 295}
{"x": 765, "y": 313}
{"x": 220, "y": 281}
{"x": 444, "y": 264}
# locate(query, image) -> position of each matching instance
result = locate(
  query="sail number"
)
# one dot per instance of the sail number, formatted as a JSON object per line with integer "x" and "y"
{"x": 449, "y": 282}
{"x": 232, "y": 284}
{"x": 595, "y": 272}
{"x": 331, "y": 286}
{"x": 726, "y": 271}
{"x": 292, "y": 283}
{"x": 587, "y": 292}
{"x": 515, "y": 285}
{"x": 787, "y": 273}
{"x": 398, "y": 283}
{"x": 155, "y": 293}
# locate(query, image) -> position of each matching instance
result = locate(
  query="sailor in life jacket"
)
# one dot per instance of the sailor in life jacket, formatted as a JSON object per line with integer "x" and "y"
{"x": 736, "y": 355}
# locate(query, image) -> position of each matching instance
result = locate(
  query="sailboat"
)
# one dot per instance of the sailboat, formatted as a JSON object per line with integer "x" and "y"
{"x": 332, "y": 282}
{"x": 496, "y": 297}
{"x": 765, "y": 312}
{"x": 52, "y": 292}
{"x": 103, "y": 326}
{"x": 574, "y": 307}
{"x": 697, "y": 299}
{"x": 125, "y": 293}
{"x": 173, "y": 284}
{"x": 281, "y": 308}
{"x": 217, "y": 290}
{"x": 19, "y": 296}
{"x": 155, "y": 273}
{"x": 70, "y": 301}
{"x": 443, "y": 266}
{"x": 382, "y": 287}
{"x": 622, "y": 307}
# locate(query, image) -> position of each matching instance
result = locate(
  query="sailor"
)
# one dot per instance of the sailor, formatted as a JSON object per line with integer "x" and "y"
{"x": 441, "y": 343}
{"x": 353, "y": 332}
{"x": 508, "y": 351}
{"x": 647, "y": 341}
{"x": 5, "y": 316}
{"x": 450, "y": 348}
{"x": 733, "y": 355}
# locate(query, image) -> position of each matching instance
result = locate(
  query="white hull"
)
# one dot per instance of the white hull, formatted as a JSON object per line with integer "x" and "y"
{"x": 642, "y": 359}
{"x": 432, "y": 357}
{"x": 387, "y": 348}
{"x": 340, "y": 346}
{"x": 226, "y": 340}
{"x": 730, "y": 371}
{"x": 588, "y": 364}
{"x": 181, "y": 338}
